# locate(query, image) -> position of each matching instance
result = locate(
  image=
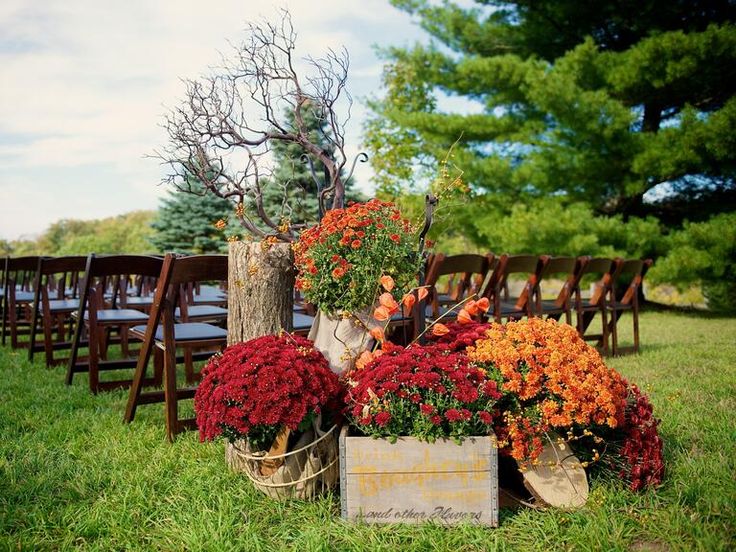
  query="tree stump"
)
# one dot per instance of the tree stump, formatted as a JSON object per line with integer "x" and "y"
{"x": 260, "y": 290}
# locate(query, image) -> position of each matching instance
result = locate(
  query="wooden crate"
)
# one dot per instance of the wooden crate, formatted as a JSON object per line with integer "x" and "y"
{"x": 411, "y": 481}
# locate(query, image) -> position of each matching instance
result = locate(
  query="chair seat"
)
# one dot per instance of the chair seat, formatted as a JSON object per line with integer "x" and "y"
{"x": 506, "y": 308}
{"x": 24, "y": 296}
{"x": 551, "y": 305}
{"x": 200, "y": 311}
{"x": 139, "y": 301}
{"x": 189, "y": 331}
{"x": 445, "y": 299}
{"x": 429, "y": 314}
{"x": 120, "y": 316}
{"x": 63, "y": 305}
{"x": 619, "y": 306}
{"x": 210, "y": 297}
{"x": 302, "y": 321}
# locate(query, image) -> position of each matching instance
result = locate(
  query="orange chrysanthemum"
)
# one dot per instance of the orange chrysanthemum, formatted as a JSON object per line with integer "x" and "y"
{"x": 548, "y": 366}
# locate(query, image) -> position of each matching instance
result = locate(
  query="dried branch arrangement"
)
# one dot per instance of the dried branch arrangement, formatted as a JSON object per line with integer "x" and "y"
{"x": 222, "y": 132}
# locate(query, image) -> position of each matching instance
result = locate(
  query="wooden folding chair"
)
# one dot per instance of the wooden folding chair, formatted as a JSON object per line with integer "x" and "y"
{"x": 626, "y": 298}
{"x": 496, "y": 290}
{"x": 18, "y": 292}
{"x": 570, "y": 269}
{"x": 56, "y": 297}
{"x": 3, "y": 272}
{"x": 586, "y": 308}
{"x": 463, "y": 273}
{"x": 99, "y": 315}
{"x": 164, "y": 333}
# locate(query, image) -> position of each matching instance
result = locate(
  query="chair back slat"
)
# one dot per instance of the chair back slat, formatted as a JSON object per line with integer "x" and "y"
{"x": 199, "y": 268}
{"x": 116, "y": 265}
{"x": 532, "y": 266}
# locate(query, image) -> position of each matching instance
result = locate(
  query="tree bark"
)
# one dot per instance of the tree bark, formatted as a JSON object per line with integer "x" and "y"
{"x": 260, "y": 290}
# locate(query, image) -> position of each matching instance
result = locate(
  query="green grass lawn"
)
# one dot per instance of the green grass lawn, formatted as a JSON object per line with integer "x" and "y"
{"x": 72, "y": 475}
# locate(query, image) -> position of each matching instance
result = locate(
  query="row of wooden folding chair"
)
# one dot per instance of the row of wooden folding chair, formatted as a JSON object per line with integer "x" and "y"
{"x": 55, "y": 298}
{"x": 488, "y": 276}
{"x": 116, "y": 296}
{"x": 18, "y": 278}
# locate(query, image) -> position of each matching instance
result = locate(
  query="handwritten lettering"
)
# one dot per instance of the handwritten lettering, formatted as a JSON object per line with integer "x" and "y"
{"x": 445, "y": 514}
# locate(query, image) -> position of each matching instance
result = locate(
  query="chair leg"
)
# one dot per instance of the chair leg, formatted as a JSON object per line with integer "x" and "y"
{"x": 124, "y": 341}
{"x": 189, "y": 365}
{"x": 615, "y": 315}
{"x": 172, "y": 413}
{"x": 604, "y": 337}
{"x": 635, "y": 314}
{"x": 3, "y": 311}
{"x": 48, "y": 341}
{"x": 158, "y": 366}
{"x": 13, "y": 323}
{"x": 94, "y": 358}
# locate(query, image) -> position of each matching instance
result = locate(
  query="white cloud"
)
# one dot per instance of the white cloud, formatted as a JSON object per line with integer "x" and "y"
{"x": 83, "y": 85}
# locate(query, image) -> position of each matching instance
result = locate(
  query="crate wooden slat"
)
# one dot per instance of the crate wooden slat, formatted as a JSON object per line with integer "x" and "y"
{"x": 411, "y": 481}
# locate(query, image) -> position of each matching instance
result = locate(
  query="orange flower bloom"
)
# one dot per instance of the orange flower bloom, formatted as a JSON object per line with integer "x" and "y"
{"x": 408, "y": 301}
{"x": 363, "y": 360}
{"x": 440, "y": 329}
{"x": 381, "y": 313}
{"x": 471, "y": 307}
{"x": 387, "y": 300}
{"x": 377, "y": 334}
{"x": 463, "y": 317}
{"x": 422, "y": 293}
{"x": 387, "y": 282}
{"x": 483, "y": 304}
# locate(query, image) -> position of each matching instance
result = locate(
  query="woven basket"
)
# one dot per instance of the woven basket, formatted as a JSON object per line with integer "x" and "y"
{"x": 307, "y": 471}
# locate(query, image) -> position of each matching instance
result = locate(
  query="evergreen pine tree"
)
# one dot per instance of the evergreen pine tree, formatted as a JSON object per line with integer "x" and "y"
{"x": 599, "y": 102}
{"x": 185, "y": 222}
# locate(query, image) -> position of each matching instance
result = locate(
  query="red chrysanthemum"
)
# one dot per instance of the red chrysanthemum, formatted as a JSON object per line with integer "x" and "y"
{"x": 262, "y": 385}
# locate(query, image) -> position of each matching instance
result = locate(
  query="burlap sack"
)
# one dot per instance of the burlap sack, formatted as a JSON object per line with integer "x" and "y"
{"x": 340, "y": 339}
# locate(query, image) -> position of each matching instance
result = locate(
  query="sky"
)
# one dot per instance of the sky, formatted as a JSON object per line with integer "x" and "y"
{"x": 84, "y": 85}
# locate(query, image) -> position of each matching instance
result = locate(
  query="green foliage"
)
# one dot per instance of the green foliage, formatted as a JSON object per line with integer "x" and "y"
{"x": 126, "y": 233}
{"x": 704, "y": 253}
{"x": 544, "y": 226}
{"x": 185, "y": 222}
{"x": 75, "y": 478}
{"x": 598, "y": 103}
{"x": 592, "y": 128}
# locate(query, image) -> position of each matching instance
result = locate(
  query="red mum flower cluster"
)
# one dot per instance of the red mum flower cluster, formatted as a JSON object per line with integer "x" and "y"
{"x": 254, "y": 388}
{"x": 427, "y": 392}
{"x": 460, "y": 336}
{"x": 342, "y": 260}
{"x": 641, "y": 460}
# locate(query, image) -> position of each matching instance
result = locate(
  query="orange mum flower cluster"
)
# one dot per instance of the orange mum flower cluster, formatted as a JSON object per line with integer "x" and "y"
{"x": 552, "y": 378}
{"x": 344, "y": 260}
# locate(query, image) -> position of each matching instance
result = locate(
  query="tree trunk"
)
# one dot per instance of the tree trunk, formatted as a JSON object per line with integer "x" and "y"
{"x": 260, "y": 290}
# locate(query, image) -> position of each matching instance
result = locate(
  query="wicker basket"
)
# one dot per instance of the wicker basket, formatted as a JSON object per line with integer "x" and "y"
{"x": 308, "y": 470}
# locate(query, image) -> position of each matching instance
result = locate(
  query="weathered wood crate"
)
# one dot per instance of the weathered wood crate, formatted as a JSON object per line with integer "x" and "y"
{"x": 411, "y": 481}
